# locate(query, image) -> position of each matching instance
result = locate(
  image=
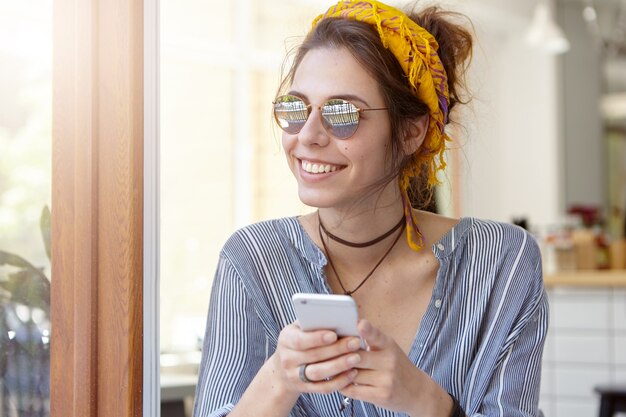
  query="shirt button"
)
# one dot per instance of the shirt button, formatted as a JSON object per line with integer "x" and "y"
{"x": 437, "y": 303}
{"x": 440, "y": 246}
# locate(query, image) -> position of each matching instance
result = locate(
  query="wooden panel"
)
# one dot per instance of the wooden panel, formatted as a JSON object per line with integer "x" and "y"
{"x": 74, "y": 215}
{"x": 97, "y": 206}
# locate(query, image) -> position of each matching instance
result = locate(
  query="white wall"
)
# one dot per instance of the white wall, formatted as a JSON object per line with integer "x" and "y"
{"x": 511, "y": 158}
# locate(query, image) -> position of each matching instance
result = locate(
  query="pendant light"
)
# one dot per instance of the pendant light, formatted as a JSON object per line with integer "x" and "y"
{"x": 545, "y": 33}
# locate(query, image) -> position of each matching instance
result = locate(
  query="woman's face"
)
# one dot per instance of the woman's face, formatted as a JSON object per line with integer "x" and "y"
{"x": 355, "y": 163}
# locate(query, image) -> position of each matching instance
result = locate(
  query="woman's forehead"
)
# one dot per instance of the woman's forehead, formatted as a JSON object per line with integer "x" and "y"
{"x": 331, "y": 72}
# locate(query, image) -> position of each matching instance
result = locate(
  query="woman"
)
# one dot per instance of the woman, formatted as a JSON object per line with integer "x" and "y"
{"x": 454, "y": 314}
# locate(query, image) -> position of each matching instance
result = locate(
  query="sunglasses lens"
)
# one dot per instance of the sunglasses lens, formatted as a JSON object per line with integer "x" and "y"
{"x": 290, "y": 113}
{"x": 341, "y": 117}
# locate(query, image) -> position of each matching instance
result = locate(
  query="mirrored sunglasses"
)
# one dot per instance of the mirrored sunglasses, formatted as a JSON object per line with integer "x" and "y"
{"x": 339, "y": 117}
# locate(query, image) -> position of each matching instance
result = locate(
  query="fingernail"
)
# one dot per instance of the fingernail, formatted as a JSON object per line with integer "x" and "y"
{"x": 354, "y": 344}
{"x": 330, "y": 337}
{"x": 352, "y": 374}
{"x": 354, "y": 359}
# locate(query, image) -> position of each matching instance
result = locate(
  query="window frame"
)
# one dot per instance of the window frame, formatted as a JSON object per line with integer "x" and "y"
{"x": 97, "y": 209}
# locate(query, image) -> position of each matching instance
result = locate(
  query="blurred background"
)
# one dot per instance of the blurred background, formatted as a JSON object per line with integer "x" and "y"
{"x": 542, "y": 144}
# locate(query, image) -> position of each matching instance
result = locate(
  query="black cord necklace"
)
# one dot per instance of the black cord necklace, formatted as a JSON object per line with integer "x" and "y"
{"x": 330, "y": 261}
{"x": 364, "y": 244}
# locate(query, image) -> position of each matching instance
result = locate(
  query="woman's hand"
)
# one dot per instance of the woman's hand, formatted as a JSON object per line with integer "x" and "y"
{"x": 387, "y": 378}
{"x": 329, "y": 361}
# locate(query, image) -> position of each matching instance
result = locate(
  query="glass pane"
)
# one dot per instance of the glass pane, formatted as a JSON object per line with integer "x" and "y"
{"x": 25, "y": 188}
{"x": 192, "y": 24}
{"x": 279, "y": 23}
{"x": 196, "y": 193}
{"x": 218, "y": 147}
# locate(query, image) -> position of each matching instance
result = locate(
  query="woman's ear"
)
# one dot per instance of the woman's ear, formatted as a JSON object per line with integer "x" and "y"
{"x": 415, "y": 134}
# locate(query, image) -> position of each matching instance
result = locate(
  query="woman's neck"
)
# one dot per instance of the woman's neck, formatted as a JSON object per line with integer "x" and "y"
{"x": 366, "y": 219}
{"x": 363, "y": 226}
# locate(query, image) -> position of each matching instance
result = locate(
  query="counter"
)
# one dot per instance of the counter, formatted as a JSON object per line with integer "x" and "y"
{"x": 610, "y": 278}
{"x": 586, "y": 343}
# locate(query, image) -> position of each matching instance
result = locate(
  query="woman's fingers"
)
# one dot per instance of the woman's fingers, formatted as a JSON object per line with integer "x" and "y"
{"x": 325, "y": 353}
{"x": 328, "y": 361}
{"x": 317, "y": 346}
{"x": 322, "y": 371}
{"x": 294, "y": 338}
{"x": 375, "y": 339}
{"x": 326, "y": 386}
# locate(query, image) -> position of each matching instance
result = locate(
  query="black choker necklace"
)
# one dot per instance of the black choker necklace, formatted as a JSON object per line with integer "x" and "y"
{"x": 364, "y": 244}
{"x": 330, "y": 261}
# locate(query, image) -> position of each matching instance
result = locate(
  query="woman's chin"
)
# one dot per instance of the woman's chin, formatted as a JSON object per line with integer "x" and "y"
{"x": 315, "y": 199}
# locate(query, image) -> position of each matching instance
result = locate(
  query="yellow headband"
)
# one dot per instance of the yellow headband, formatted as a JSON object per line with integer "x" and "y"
{"x": 416, "y": 51}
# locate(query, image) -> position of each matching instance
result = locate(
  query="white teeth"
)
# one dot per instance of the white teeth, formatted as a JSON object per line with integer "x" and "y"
{"x": 318, "y": 168}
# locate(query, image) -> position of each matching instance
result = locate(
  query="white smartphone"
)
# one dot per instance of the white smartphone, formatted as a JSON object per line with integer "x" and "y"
{"x": 334, "y": 312}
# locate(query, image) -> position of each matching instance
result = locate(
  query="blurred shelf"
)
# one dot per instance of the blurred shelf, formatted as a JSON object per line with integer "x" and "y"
{"x": 592, "y": 278}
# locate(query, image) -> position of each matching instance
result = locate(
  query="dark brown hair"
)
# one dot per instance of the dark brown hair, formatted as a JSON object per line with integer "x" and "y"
{"x": 363, "y": 42}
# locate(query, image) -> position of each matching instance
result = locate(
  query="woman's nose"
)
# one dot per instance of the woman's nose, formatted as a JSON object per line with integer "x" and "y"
{"x": 313, "y": 132}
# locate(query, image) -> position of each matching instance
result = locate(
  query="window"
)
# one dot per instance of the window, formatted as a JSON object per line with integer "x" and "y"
{"x": 25, "y": 188}
{"x": 221, "y": 163}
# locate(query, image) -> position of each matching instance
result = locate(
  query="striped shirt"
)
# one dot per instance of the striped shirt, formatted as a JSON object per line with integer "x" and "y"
{"x": 481, "y": 337}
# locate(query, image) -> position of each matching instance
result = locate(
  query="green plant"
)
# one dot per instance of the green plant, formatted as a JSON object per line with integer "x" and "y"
{"x": 27, "y": 284}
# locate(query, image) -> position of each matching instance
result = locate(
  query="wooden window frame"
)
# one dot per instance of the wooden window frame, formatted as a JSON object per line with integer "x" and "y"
{"x": 97, "y": 209}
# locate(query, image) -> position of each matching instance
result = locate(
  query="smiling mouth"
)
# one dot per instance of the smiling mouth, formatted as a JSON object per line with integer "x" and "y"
{"x": 314, "y": 168}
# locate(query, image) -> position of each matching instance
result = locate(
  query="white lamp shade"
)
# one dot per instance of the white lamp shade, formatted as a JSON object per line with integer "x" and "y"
{"x": 545, "y": 33}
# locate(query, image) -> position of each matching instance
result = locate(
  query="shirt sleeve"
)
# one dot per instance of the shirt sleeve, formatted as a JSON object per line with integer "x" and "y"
{"x": 235, "y": 345}
{"x": 514, "y": 388}
{"x": 513, "y": 384}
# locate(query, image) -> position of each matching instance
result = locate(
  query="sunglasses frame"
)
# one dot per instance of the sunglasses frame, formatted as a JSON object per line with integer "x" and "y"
{"x": 325, "y": 123}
